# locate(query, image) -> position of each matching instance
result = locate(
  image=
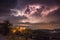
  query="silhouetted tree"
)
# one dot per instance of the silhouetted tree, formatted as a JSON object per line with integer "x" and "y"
{"x": 6, "y": 27}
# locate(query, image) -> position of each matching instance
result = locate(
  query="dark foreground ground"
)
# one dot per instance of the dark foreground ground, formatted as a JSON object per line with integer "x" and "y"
{"x": 36, "y": 35}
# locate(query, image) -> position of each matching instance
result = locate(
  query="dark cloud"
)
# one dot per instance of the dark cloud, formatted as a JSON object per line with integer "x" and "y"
{"x": 7, "y": 3}
{"x": 13, "y": 19}
{"x": 47, "y": 2}
{"x": 17, "y": 18}
{"x": 5, "y": 12}
{"x": 55, "y": 15}
{"x": 5, "y": 6}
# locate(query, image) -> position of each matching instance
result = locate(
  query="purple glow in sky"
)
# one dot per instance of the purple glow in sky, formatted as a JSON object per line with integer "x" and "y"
{"x": 40, "y": 11}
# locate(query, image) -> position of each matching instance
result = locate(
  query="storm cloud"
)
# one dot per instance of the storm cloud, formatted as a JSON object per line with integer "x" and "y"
{"x": 50, "y": 12}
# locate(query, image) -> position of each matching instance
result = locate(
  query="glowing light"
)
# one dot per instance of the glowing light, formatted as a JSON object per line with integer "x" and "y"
{"x": 23, "y": 21}
{"x": 33, "y": 8}
{"x": 14, "y": 30}
{"x": 45, "y": 12}
{"x": 17, "y": 12}
{"x": 22, "y": 28}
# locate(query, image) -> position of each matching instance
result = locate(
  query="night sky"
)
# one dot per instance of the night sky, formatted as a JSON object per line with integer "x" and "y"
{"x": 32, "y": 11}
